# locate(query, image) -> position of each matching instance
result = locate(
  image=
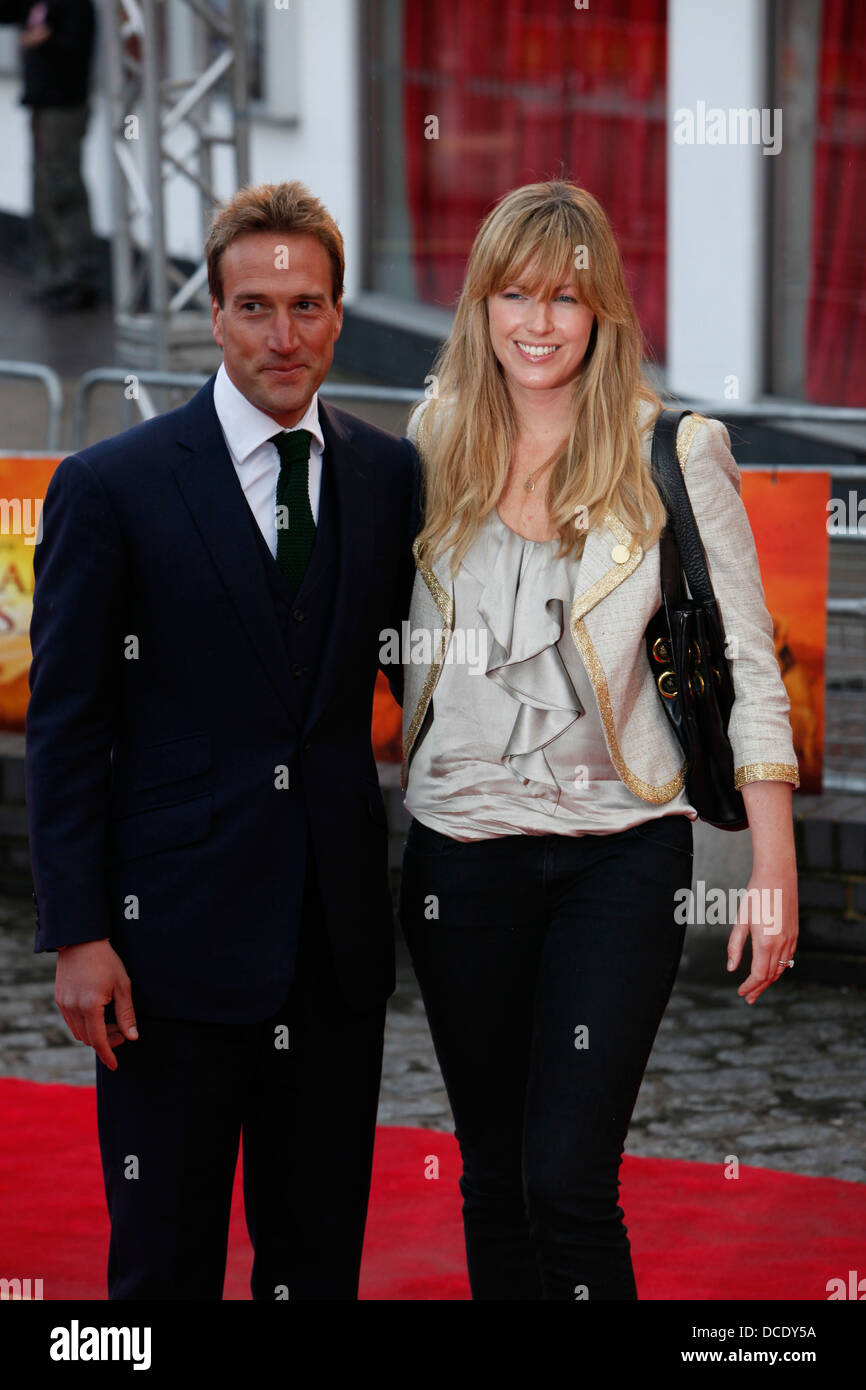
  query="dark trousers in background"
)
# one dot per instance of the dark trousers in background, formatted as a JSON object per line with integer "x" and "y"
{"x": 545, "y": 963}
{"x": 172, "y": 1115}
{"x": 68, "y": 256}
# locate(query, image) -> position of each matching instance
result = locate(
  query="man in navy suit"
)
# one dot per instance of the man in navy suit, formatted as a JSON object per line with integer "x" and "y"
{"x": 208, "y": 837}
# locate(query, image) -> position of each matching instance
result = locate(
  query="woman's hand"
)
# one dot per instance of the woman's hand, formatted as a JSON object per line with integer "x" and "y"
{"x": 768, "y": 911}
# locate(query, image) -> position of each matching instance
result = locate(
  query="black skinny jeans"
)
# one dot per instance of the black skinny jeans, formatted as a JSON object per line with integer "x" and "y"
{"x": 545, "y": 963}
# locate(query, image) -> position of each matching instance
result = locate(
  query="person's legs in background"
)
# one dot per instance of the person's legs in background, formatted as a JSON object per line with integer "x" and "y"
{"x": 66, "y": 275}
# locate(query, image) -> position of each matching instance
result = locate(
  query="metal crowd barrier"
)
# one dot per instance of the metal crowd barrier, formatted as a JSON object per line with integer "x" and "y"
{"x": 37, "y": 371}
{"x": 101, "y": 376}
{"x": 122, "y": 376}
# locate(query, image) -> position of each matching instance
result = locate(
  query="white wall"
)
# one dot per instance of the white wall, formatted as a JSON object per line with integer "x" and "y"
{"x": 14, "y": 134}
{"x": 716, "y": 224}
{"x": 324, "y": 152}
{"x": 322, "y": 149}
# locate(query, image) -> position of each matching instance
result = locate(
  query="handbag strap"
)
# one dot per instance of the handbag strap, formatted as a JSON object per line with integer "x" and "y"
{"x": 670, "y": 568}
{"x": 681, "y": 519}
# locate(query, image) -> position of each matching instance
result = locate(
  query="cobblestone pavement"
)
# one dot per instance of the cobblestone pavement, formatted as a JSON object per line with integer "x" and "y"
{"x": 780, "y": 1084}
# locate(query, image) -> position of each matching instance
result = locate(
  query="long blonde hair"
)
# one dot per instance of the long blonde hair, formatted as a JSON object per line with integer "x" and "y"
{"x": 468, "y": 429}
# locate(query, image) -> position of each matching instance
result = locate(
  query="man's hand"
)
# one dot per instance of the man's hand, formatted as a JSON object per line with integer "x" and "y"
{"x": 89, "y": 977}
{"x": 32, "y": 38}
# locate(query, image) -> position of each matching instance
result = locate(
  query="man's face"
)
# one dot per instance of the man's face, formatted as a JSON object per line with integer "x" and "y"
{"x": 278, "y": 323}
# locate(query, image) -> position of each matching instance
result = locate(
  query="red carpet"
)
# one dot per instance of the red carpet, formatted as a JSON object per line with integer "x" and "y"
{"x": 694, "y": 1235}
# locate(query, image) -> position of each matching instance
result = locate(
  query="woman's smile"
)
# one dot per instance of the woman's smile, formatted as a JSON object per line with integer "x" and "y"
{"x": 537, "y": 352}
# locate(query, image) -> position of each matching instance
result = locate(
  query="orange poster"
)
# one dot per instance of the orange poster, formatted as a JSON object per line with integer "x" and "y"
{"x": 788, "y": 516}
{"x": 387, "y": 724}
{"x": 23, "y": 480}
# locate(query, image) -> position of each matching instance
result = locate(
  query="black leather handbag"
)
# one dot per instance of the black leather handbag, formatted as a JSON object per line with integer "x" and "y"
{"x": 685, "y": 643}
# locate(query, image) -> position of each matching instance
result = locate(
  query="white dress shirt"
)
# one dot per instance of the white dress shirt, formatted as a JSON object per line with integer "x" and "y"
{"x": 247, "y": 432}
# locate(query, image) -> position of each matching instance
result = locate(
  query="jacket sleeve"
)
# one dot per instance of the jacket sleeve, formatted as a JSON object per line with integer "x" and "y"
{"x": 760, "y": 728}
{"x": 76, "y": 634}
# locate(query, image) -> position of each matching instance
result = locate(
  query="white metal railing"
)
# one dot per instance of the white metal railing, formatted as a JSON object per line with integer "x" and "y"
{"x": 101, "y": 376}
{"x": 37, "y": 371}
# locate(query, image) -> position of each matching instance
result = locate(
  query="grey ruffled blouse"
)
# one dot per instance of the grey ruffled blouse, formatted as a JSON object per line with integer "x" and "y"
{"x": 515, "y": 744}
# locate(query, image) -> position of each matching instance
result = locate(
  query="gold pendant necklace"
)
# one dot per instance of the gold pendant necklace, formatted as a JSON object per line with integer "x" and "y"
{"x": 529, "y": 481}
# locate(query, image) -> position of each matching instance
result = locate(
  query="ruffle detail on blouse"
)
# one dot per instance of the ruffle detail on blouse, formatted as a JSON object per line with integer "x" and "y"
{"x": 526, "y": 602}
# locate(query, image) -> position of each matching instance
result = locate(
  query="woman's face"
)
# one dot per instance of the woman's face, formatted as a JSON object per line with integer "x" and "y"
{"x": 541, "y": 339}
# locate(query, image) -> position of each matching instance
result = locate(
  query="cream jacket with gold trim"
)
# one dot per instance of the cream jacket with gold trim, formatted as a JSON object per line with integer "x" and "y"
{"x": 616, "y": 594}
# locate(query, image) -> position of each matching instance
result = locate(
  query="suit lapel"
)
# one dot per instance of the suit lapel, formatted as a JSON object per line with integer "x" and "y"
{"x": 210, "y": 488}
{"x": 355, "y": 545}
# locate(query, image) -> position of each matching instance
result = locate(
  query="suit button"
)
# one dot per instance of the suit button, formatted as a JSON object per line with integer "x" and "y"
{"x": 297, "y": 670}
{"x": 298, "y": 615}
{"x": 620, "y": 554}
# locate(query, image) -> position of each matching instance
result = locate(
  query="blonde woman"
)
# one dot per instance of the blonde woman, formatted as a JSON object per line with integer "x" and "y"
{"x": 551, "y": 825}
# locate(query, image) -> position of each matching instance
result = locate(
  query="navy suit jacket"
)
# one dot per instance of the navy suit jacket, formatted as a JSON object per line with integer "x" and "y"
{"x": 160, "y": 710}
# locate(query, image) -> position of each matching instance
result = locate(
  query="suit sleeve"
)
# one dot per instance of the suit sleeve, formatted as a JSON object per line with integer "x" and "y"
{"x": 406, "y": 568}
{"x": 76, "y": 633}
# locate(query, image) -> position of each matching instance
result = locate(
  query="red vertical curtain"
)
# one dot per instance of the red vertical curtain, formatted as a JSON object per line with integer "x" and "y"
{"x": 524, "y": 93}
{"x": 836, "y": 320}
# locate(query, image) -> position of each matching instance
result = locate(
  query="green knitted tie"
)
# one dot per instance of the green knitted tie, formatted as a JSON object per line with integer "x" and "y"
{"x": 296, "y": 528}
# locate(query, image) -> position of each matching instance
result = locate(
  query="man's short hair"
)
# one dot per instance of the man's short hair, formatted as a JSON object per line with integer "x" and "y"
{"x": 273, "y": 207}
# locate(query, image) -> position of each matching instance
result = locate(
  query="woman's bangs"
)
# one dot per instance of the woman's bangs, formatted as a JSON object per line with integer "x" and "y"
{"x": 541, "y": 266}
